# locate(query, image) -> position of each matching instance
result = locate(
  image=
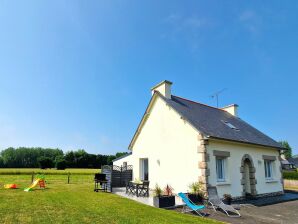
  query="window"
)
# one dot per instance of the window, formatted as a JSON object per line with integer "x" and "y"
{"x": 144, "y": 169}
{"x": 230, "y": 125}
{"x": 268, "y": 169}
{"x": 220, "y": 169}
{"x": 124, "y": 164}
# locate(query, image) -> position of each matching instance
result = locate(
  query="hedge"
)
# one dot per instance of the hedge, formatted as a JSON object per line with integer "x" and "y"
{"x": 290, "y": 175}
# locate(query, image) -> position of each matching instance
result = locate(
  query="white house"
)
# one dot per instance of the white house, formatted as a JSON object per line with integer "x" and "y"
{"x": 179, "y": 141}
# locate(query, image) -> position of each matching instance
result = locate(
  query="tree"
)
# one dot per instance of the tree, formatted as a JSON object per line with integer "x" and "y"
{"x": 70, "y": 158}
{"x": 60, "y": 164}
{"x": 119, "y": 154}
{"x": 1, "y": 163}
{"x": 110, "y": 159}
{"x": 29, "y": 157}
{"x": 24, "y": 157}
{"x": 288, "y": 152}
{"x": 45, "y": 162}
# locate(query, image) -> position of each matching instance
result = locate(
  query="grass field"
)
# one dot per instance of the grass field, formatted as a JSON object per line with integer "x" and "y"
{"x": 77, "y": 203}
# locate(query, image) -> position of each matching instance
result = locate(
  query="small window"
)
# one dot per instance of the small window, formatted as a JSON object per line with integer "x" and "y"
{"x": 124, "y": 164}
{"x": 230, "y": 125}
{"x": 220, "y": 169}
{"x": 268, "y": 169}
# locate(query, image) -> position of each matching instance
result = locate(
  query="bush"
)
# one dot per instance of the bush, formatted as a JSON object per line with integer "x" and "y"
{"x": 61, "y": 164}
{"x": 45, "y": 162}
{"x": 290, "y": 175}
{"x": 196, "y": 188}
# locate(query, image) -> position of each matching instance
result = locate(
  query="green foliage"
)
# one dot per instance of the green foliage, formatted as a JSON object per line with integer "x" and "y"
{"x": 60, "y": 164}
{"x": 196, "y": 188}
{"x": 227, "y": 196}
{"x": 119, "y": 154}
{"x": 28, "y": 158}
{"x": 290, "y": 175}
{"x": 288, "y": 152}
{"x": 53, "y": 172}
{"x": 82, "y": 159}
{"x": 45, "y": 162}
{"x": 157, "y": 191}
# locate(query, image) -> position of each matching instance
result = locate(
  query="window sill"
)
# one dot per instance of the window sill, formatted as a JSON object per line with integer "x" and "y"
{"x": 271, "y": 181}
{"x": 222, "y": 183}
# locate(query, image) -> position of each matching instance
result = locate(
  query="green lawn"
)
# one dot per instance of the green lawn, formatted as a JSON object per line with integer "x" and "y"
{"x": 77, "y": 203}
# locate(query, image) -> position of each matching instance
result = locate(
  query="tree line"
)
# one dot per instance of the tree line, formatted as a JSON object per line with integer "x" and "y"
{"x": 24, "y": 157}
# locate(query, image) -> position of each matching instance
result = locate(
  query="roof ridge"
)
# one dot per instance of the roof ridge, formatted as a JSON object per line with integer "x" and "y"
{"x": 199, "y": 103}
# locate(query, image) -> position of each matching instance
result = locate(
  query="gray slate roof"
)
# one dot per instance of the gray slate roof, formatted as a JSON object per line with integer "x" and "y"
{"x": 293, "y": 161}
{"x": 121, "y": 157}
{"x": 210, "y": 121}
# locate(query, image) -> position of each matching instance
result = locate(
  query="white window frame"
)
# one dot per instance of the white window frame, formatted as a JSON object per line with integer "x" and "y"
{"x": 142, "y": 168}
{"x": 268, "y": 166}
{"x": 220, "y": 167}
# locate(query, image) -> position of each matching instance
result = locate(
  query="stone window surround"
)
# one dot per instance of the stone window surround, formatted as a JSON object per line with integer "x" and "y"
{"x": 271, "y": 158}
{"x": 221, "y": 153}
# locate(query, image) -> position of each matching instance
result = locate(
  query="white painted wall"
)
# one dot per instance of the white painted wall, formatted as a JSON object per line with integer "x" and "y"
{"x": 232, "y": 109}
{"x": 170, "y": 144}
{"x": 237, "y": 151}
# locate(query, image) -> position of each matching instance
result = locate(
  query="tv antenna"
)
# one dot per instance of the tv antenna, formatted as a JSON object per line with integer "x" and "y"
{"x": 216, "y": 94}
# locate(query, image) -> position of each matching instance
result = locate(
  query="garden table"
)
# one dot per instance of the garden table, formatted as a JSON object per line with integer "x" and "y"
{"x": 136, "y": 185}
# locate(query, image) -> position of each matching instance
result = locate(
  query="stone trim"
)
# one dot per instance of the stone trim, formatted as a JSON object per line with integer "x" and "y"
{"x": 273, "y": 158}
{"x": 203, "y": 164}
{"x": 221, "y": 153}
{"x": 201, "y": 149}
{"x": 207, "y": 157}
{"x": 252, "y": 178}
{"x": 206, "y": 172}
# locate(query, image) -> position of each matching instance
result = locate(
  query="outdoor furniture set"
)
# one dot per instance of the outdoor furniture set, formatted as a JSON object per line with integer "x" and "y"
{"x": 138, "y": 188}
{"x": 213, "y": 199}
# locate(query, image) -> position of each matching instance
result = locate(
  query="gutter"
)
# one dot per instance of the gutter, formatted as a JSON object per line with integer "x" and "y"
{"x": 244, "y": 142}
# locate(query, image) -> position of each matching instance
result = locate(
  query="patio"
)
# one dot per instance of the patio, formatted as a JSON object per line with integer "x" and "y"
{"x": 145, "y": 200}
{"x": 277, "y": 209}
{"x": 281, "y": 213}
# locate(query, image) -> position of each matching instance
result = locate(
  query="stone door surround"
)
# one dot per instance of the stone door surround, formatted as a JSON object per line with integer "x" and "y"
{"x": 252, "y": 175}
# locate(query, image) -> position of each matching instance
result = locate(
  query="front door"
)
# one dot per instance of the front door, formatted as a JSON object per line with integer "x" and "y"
{"x": 247, "y": 178}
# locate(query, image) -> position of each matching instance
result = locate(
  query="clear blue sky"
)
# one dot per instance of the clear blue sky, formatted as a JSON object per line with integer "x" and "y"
{"x": 77, "y": 74}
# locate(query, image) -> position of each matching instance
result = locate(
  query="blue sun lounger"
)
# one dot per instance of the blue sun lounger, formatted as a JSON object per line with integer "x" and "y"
{"x": 191, "y": 205}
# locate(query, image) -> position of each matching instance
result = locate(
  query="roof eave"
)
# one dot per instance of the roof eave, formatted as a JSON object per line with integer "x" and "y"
{"x": 244, "y": 142}
{"x": 121, "y": 157}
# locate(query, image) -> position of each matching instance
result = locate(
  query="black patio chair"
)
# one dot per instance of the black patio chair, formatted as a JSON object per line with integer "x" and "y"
{"x": 130, "y": 188}
{"x": 144, "y": 189}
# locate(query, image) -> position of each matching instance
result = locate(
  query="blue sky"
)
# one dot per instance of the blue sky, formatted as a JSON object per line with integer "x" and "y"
{"x": 77, "y": 74}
